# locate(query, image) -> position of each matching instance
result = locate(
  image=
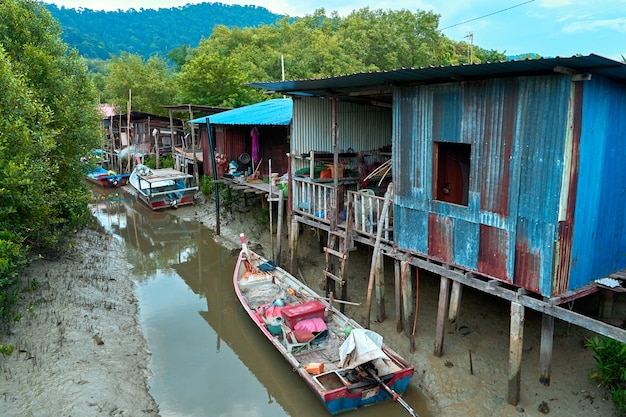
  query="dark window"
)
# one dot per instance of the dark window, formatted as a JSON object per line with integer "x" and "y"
{"x": 451, "y": 169}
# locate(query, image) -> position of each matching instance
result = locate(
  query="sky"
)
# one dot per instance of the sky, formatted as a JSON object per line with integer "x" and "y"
{"x": 549, "y": 28}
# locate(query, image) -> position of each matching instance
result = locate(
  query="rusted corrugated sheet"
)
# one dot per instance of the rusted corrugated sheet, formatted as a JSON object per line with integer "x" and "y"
{"x": 440, "y": 238}
{"x": 516, "y": 129}
{"x": 493, "y": 252}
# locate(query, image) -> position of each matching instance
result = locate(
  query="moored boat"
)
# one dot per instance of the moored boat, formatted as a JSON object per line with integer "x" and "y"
{"x": 345, "y": 365}
{"x": 107, "y": 178}
{"x": 162, "y": 188}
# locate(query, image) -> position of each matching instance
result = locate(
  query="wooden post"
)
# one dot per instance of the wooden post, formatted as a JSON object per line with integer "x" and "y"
{"x": 379, "y": 232}
{"x": 444, "y": 300}
{"x": 279, "y": 225}
{"x": 397, "y": 282}
{"x": 545, "y": 356}
{"x": 293, "y": 246}
{"x": 516, "y": 343}
{"x": 406, "y": 273}
{"x": 455, "y": 301}
{"x": 193, "y": 148}
{"x": 606, "y": 304}
{"x": 380, "y": 288}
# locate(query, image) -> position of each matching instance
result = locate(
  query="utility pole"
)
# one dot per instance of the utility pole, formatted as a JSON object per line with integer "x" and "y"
{"x": 470, "y": 50}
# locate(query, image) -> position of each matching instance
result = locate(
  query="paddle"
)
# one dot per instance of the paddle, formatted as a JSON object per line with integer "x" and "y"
{"x": 394, "y": 395}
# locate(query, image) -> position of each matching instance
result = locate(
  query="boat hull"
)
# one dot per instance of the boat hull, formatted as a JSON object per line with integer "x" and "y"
{"x": 331, "y": 386}
{"x": 162, "y": 188}
{"x": 107, "y": 179}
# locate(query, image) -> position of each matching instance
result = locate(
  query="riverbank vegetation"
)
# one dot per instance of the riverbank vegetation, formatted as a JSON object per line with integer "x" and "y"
{"x": 49, "y": 120}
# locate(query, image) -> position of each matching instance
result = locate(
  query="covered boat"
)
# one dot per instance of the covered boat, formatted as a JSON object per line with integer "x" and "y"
{"x": 345, "y": 365}
{"x": 107, "y": 178}
{"x": 162, "y": 188}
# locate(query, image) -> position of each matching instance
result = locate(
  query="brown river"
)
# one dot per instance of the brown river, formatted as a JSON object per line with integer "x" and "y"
{"x": 208, "y": 358}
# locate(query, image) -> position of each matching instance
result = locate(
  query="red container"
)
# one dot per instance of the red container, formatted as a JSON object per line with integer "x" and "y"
{"x": 308, "y": 310}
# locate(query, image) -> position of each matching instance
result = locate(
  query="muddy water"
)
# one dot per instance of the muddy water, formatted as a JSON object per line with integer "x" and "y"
{"x": 208, "y": 359}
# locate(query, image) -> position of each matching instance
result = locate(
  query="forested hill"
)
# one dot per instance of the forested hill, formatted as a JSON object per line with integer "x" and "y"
{"x": 146, "y": 32}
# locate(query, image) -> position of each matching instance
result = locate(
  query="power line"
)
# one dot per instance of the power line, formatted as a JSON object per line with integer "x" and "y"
{"x": 487, "y": 15}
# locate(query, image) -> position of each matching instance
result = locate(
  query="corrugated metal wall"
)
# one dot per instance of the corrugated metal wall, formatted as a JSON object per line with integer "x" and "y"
{"x": 359, "y": 127}
{"x": 599, "y": 246}
{"x": 516, "y": 128}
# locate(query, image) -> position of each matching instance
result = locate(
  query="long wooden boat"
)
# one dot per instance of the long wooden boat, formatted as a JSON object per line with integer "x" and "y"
{"x": 107, "y": 178}
{"x": 345, "y": 365}
{"x": 162, "y": 188}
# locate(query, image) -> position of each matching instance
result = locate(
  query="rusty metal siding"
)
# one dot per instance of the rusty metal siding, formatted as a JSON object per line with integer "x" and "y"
{"x": 543, "y": 129}
{"x": 516, "y": 128}
{"x": 359, "y": 127}
{"x": 599, "y": 241}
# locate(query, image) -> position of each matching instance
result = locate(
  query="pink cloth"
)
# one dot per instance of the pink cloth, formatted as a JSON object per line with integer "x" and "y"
{"x": 312, "y": 325}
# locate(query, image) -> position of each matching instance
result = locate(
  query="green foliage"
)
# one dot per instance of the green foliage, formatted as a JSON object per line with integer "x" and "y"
{"x": 49, "y": 120}
{"x": 6, "y": 350}
{"x": 148, "y": 83}
{"x": 208, "y": 186}
{"x": 228, "y": 199}
{"x": 610, "y": 358}
{"x": 165, "y": 161}
{"x": 210, "y": 79}
{"x": 149, "y": 32}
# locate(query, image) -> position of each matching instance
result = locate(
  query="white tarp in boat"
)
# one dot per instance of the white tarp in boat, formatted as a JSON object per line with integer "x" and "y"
{"x": 361, "y": 346}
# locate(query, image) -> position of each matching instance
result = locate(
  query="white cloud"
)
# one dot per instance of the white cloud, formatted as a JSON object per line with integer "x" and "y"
{"x": 617, "y": 25}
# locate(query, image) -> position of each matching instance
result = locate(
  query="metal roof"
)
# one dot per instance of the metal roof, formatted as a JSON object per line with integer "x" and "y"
{"x": 276, "y": 112}
{"x": 378, "y": 84}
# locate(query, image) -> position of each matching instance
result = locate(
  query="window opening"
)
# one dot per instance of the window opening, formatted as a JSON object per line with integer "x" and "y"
{"x": 452, "y": 167}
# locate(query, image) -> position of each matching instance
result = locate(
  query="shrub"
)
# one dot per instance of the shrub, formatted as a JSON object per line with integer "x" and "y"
{"x": 610, "y": 358}
{"x": 13, "y": 257}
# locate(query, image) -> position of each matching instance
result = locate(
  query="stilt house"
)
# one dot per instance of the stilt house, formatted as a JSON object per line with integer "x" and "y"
{"x": 508, "y": 177}
{"x": 512, "y": 171}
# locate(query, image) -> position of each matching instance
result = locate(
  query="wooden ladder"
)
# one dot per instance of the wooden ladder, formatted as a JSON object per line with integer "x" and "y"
{"x": 339, "y": 244}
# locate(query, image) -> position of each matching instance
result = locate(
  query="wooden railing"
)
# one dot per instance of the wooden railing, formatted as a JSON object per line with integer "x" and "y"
{"x": 315, "y": 200}
{"x": 312, "y": 199}
{"x": 367, "y": 209}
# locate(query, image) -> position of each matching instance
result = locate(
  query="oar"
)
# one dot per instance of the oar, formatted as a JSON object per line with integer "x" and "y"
{"x": 394, "y": 395}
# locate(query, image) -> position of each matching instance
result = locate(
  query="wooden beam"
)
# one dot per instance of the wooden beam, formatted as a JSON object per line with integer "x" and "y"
{"x": 397, "y": 281}
{"x": 293, "y": 246}
{"x": 380, "y": 288}
{"x": 444, "y": 290}
{"x": 545, "y": 356}
{"x": 455, "y": 301}
{"x": 516, "y": 343}
{"x": 406, "y": 279}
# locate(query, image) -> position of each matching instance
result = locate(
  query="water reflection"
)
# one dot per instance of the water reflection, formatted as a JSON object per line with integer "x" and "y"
{"x": 208, "y": 358}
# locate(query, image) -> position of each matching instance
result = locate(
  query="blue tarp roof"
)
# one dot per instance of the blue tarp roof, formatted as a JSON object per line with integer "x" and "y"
{"x": 276, "y": 112}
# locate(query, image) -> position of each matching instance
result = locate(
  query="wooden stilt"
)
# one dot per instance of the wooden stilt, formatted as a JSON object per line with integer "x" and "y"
{"x": 380, "y": 288}
{"x": 515, "y": 352}
{"x": 397, "y": 281}
{"x": 379, "y": 232}
{"x": 455, "y": 301}
{"x": 606, "y": 304}
{"x": 407, "y": 295}
{"x": 444, "y": 290}
{"x": 545, "y": 356}
{"x": 279, "y": 225}
{"x": 416, "y": 311}
{"x": 293, "y": 247}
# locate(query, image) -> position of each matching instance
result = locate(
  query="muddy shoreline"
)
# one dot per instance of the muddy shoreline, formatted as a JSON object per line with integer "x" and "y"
{"x": 80, "y": 349}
